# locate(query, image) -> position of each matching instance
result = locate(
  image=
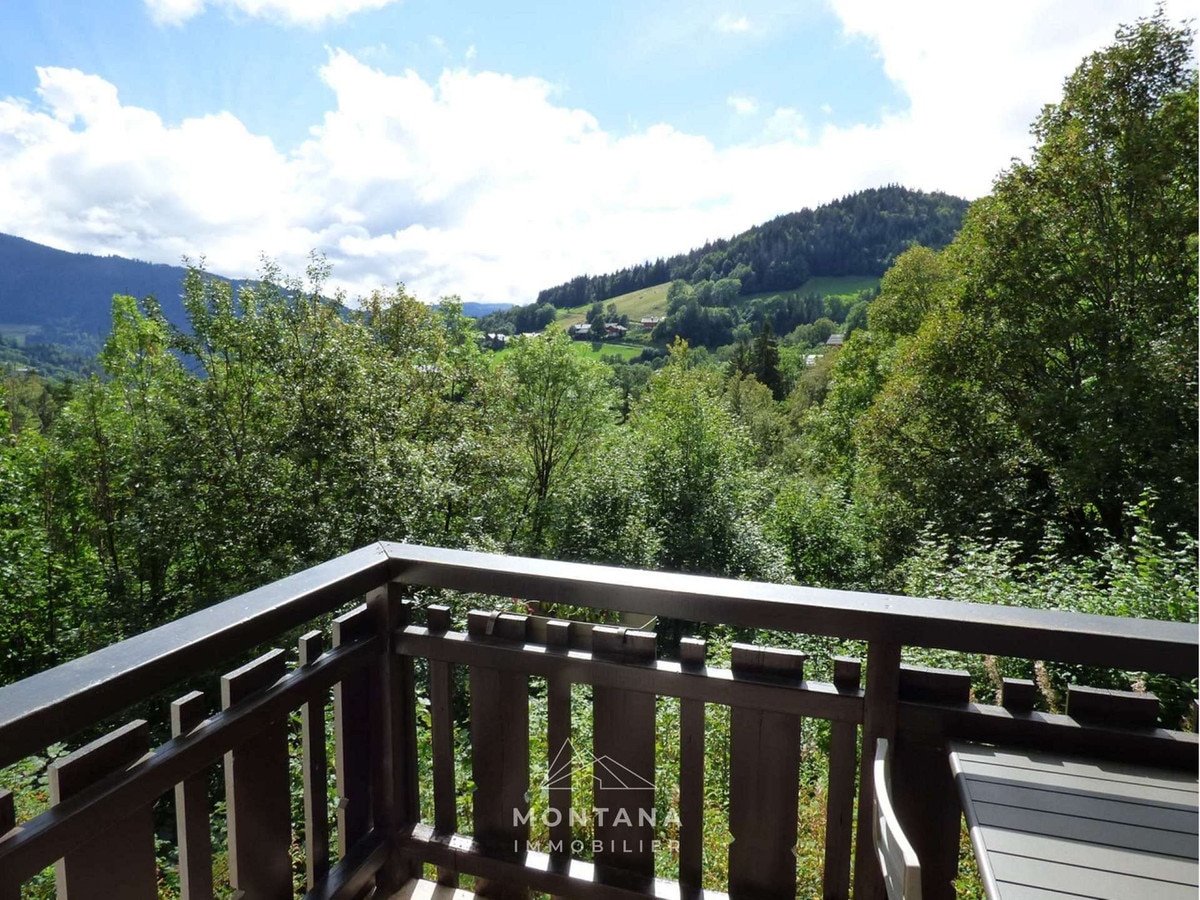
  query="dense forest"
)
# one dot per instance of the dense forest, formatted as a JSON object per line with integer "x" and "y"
{"x": 52, "y": 361}
{"x": 860, "y": 234}
{"x": 1011, "y": 419}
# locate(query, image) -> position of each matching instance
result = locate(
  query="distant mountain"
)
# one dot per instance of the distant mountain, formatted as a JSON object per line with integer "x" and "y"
{"x": 52, "y": 296}
{"x": 479, "y": 310}
{"x": 860, "y": 234}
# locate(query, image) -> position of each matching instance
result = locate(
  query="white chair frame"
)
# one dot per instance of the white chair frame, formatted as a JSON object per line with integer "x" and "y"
{"x": 897, "y": 859}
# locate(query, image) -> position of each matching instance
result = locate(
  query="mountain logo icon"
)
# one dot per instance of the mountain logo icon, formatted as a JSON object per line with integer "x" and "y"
{"x": 608, "y": 773}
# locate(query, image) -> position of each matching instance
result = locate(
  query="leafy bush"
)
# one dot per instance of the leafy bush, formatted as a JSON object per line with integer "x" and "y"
{"x": 1150, "y": 578}
{"x": 823, "y": 535}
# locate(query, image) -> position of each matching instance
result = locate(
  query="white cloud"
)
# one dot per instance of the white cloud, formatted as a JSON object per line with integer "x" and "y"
{"x": 742, "y": 105}
{"x": 727, "y": 23}
{"x": 72, "y": 95}
{"x": 785, "y": 124}
{"x": 86, "y": 173}
{"x": 174, "y": 12}
{"x": 484, "y": 184}
{"x": 977, "y": 74}
{"x": 292, "y": 12}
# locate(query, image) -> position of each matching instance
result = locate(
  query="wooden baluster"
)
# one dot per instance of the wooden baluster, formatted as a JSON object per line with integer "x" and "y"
{"x": 691, "y": 775}
{"x": 8, "y": 812}
{"x": 191, "y": 808}
{"x": 402, "y": 706}
{"x": 559, "y": 748}
{"x": 923, "y": 788}
{"x": 441, "y": 710}
{"x": 623, "y": 766}
{"x": 118, "y": 861}
{"x": 9, "y": 890}
{"x": 764, "y": 781}
{"x": 839, "y": 799}
{"x": 258, "y": 791}
{"x": 500, "y": 751}
{"x": 879, "y": 721}
{"x": 352, "y": 736}
{"x": 1018, "y": 695}
{"x": 315, "y": 771}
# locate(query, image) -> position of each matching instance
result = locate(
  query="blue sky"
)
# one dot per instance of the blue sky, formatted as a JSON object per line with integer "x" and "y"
{"x": 489, "y": 149}
{"x": 629, "y": 64}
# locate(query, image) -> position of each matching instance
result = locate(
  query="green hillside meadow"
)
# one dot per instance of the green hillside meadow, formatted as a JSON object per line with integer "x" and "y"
{"x": 652, "y": 301}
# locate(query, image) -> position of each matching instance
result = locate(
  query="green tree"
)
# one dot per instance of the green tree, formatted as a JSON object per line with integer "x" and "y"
{"x": 694, "y": 461}
{"x": 597, "y": 321}
{"x": 755, "y": 408}
{"x": 813, "y": 383}
{"x": 1043, "y": 367}
{"x": 824, "y": 536}
{"x": 605, "y": 517}
{"x": 813, "y": 334}
{"x": 678, "y": 293}
{"x": 1081, "y": 277}
{"x": 764, "y": 361}
{"x": 631, "y": 380}
{"x": 25, "y": 609}
{"x": 909, "y": 291}
{"x": 832, "y": 397}
{"x": 560, "y": 404}
{"x": 116, "y": 432}
{"x": 857, "y": 317}
{"x": 433, "y": 460}
{"x": 725, "y": 292}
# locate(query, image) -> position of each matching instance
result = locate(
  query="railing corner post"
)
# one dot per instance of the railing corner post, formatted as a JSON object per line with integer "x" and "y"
{"x": 925, "y": 795}
{"x": 396, "y": 800}
{"x": 10, "y": 889}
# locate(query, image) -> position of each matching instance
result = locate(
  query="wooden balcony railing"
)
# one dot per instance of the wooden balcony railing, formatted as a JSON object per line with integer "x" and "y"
{"x": 99, "y": 832}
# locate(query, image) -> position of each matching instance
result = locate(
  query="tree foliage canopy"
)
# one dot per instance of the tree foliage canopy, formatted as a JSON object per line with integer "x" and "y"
{"x": 1042, "y": 369}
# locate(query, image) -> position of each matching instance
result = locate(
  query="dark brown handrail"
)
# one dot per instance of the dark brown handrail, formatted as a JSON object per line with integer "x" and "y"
{"x": 57, "y": 703}
{"x": 48, "y": 837}
{"x": 1171, "y": 648}
{"x": 53, "y": 705}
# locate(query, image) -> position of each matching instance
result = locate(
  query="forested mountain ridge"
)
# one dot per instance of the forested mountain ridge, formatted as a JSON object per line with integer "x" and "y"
{"x": 52, "y": 296}
{"x": 61, "y": 296}
{"x": 859, "y": 234}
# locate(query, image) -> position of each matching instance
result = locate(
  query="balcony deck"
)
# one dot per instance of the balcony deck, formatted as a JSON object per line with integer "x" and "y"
{"x": 420, "y": 889}
{"x": 390, "y": 664}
